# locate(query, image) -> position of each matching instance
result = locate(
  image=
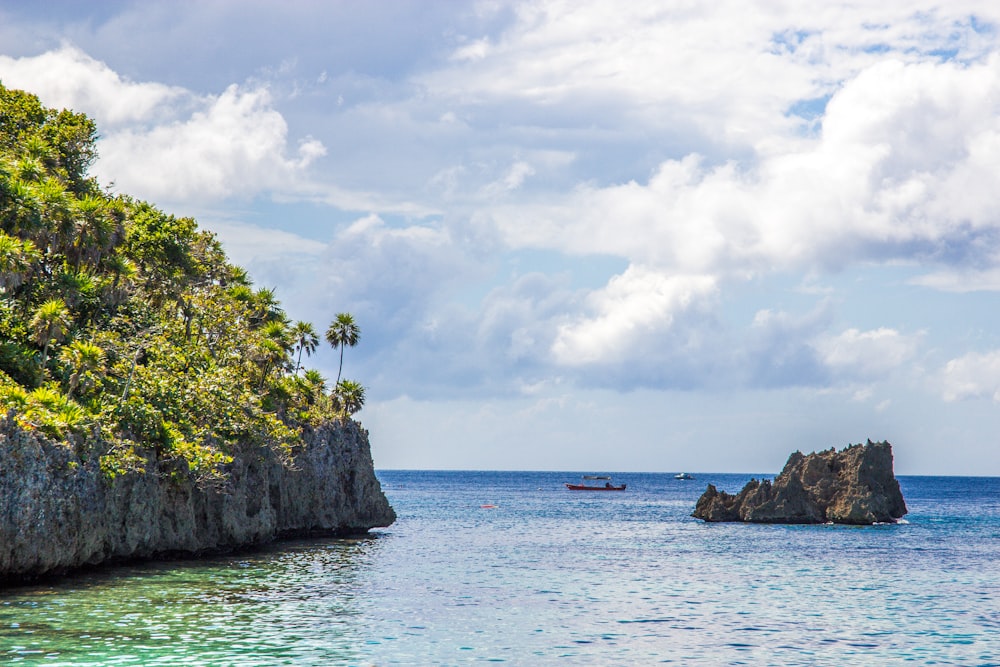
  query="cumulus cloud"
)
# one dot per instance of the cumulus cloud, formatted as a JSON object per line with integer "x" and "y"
{"x": 883, "y": 181}
{"x": 629, "y": 317}
{"x": 974, "y": 375}
{"x": 393, "y": 272}
{"x": 236, "y": 145}
{"x": 69, "y": 78}
{"x": 703, "y": 146}
{"x": 732, "y": 70}
{"x": 166, "y": 143}
{"x": 866, "y": 354}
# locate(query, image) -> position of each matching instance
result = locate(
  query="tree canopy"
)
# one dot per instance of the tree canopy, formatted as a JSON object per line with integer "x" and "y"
{"x": 120, "y": 321}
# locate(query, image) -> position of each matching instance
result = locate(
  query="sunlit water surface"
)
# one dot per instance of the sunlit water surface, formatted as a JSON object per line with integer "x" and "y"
{"x": 548, "y": 576}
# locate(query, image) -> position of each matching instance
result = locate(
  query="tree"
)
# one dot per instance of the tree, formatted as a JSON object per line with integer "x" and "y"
{"x": 87, "y": 362}
{"x": 16, "y": 258}
{"x": 50, "y": 323}
{"x": 305, "y": 340}
{"x": 275, "y": 344}
{"x": 265, "y": 307}
{"x": 349, "y": 397}
{"x": 152, "y": 332}
{"x": 94, "y": 230}
{"x": 343, "y": 332}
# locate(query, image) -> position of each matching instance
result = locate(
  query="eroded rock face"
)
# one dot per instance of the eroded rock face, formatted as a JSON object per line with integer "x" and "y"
{"x": 58, "y": 512}
{"x": 853, "y": 486}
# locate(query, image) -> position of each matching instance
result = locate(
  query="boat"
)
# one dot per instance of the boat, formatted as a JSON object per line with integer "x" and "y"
{"x": 583, "y": 487}
{"x": 683, "y": 475}
{"x": 607, "y": 486}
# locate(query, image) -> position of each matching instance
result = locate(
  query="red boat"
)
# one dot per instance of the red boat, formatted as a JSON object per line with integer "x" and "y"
{"x": 583, "y": 487}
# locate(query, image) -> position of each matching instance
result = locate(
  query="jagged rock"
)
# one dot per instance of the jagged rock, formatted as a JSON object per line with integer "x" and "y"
{"x": 854, "y": 486}
{"x": 58, "y": 512}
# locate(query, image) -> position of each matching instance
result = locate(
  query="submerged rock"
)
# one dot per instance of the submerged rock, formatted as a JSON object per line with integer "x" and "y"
{"x": 853, "y": 486}
{"x": 58, "y": 512}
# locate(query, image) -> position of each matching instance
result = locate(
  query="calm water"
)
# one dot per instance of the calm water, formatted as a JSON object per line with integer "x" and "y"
{"x": 551, "y": 577}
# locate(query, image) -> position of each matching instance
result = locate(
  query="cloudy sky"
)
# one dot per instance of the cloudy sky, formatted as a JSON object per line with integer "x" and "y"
{"x": 578, "y": 235}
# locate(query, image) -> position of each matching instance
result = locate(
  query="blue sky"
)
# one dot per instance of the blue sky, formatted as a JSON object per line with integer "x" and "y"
{"x": 585, "y": 235}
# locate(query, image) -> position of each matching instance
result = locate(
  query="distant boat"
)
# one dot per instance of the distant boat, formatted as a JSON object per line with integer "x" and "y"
{"x": 608, "y": 486}
{"x": 683, "y": 475}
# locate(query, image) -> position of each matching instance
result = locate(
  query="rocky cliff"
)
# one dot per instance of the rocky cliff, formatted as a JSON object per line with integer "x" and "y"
{"x": 853, "y": 486}
{"x": 58, "y": 512}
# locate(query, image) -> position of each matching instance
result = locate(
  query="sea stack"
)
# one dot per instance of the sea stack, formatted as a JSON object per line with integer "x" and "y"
{"x": 853, "y": 486}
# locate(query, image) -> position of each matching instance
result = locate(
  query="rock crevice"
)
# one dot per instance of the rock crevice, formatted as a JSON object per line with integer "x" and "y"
{"x": 853, "y": 486}
{"x": 59, "y": 512}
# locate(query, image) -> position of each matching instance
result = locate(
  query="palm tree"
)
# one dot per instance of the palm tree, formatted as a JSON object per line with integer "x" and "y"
{"x": 274, "y": 346}
{"x": 313, "y": 385}
{"x": 123, "y": 274}
{"x": 57, "y": 212}
{"x": 23, "y": 214}
{"x": 305, "y": 340}
{"x": 265, "y": 307}
{"x": 16, "y": 257}
{"x": 87, "y": 361}
{"x": 94, "y": 230}
{"x": 50, "y": 323}
{"x": 349, "y": 396}
{"x": 343, "y": 332}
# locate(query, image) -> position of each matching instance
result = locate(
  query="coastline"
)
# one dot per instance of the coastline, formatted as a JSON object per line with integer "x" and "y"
{"x": 58, "y": 512}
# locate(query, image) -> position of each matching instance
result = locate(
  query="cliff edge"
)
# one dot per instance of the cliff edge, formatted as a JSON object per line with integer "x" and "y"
{"x": 58, "y": 512}
{"x": 853, "y": 486}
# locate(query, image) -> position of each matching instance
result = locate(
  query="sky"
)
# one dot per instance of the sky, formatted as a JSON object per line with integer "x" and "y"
{"x": 587, "y": 236}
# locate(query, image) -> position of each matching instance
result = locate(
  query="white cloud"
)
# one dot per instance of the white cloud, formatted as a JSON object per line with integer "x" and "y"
{"x": 393, "y": 272}
{"x": 629, "y": 317}
{"x": 887, "y": 178}
{"x": 236, "y": 145}
{"x": 164, "y": 143}
{"x": 731, "y": 69}
{"x": 867, "y": 354}
{"x": 69, "y": 78}
{"x": 512, "y": 180}
{"x": 724, "y": 180}
{"x": 974, "y": 375}
{"x": 246, "y": 243}
{"x": 476, "y": 50}
{"x": 961, "y": 280}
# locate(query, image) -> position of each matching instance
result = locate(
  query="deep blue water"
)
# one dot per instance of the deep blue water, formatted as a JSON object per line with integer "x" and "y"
{"x": 549, "y": 577}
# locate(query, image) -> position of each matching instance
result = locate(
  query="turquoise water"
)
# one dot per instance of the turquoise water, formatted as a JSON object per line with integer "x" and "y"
{"x": 551, "y": 577}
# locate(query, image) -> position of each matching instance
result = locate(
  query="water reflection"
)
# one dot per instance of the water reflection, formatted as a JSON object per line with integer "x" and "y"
{"x": 292, "y": 603}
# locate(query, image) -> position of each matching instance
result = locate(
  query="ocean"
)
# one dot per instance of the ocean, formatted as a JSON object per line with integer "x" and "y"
{"x": 510, "y": 567}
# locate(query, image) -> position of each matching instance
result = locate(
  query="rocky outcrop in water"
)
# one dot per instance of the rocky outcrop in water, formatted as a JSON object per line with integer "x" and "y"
{"x": 58, "y": 512}
{"x": 853, "y": 486}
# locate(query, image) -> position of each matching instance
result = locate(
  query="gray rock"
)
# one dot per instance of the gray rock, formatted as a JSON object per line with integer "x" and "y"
{"x": 59, "y": 512}
{"x": 853, "y": 486}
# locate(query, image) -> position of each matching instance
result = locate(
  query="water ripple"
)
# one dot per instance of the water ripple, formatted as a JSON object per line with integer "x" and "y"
{"x": 547, "y": 578}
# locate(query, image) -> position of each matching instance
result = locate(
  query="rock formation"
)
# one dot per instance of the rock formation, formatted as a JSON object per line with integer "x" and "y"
{"x": 58, "y": 512}
{"x": 853, "y": 486}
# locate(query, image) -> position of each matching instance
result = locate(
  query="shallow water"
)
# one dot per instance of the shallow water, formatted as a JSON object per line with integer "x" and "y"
{"x": 549, "y": 576}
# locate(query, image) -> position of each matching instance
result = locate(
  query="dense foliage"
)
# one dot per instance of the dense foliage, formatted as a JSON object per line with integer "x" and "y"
{"x": 122, "y": 324}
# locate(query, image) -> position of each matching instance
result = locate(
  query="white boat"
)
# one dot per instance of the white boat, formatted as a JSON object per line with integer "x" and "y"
{"x": 683, "y": 475}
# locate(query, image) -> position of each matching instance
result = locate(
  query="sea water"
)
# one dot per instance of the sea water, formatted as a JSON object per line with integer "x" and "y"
{"x": 499, "y": 567}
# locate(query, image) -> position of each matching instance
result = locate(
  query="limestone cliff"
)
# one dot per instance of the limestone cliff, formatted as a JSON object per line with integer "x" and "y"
{"x": 853, "y": 486}
{"x": 58, "y": 512}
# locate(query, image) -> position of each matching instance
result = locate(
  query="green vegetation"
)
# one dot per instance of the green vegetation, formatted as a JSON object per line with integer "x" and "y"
{"x": 343, "y": 332}
{"x": 124, "y": 325}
